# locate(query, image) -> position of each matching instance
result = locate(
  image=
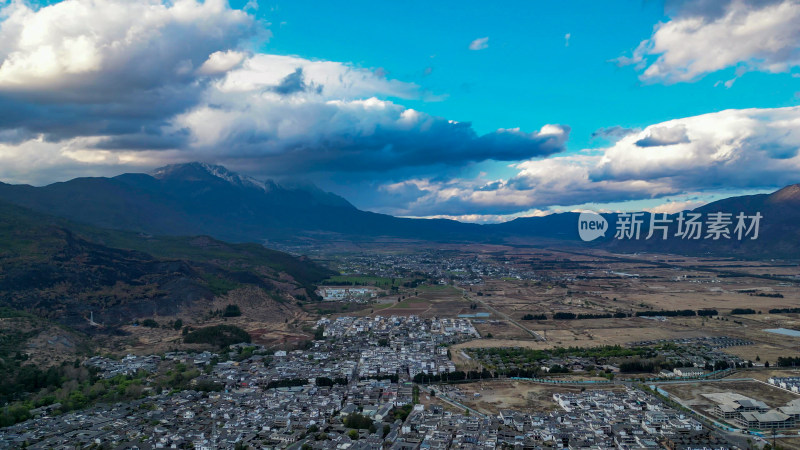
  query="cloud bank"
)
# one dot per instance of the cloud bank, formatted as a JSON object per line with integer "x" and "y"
{"x": 707, "y": 36}
{"x": 95, "y": 84}
{"x": 732, "y": 149}
{"x": 90, "y": 87}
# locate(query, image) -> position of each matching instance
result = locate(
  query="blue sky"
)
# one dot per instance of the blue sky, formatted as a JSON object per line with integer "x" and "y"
{"x": 464, "y": 110}
{"x": 527, "y": 76}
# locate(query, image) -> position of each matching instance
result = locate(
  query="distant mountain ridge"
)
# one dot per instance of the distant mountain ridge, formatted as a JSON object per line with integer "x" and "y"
{"x": 199, "y": 171}
{"x": 779, "y": 229}
{"x": 199, "y": 198}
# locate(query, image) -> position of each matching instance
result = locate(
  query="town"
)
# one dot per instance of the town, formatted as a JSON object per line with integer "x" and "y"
{"x": 353, "y": 387}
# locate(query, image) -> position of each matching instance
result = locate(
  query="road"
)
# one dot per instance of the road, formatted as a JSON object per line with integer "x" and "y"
{"x": 454, "y": 403}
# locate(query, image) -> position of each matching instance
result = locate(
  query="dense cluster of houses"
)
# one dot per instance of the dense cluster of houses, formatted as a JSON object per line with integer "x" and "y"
{"x": 362, "y": 370}
{"x": 593, "y": 419}
{"x": 463, "y": 268}
{"x": 396, "y": 345}
{"x": 628, "y": 419}
{"x": 129, "y": 365}
{"x": 352, "y": 294}
{"x": 315, "y": 416}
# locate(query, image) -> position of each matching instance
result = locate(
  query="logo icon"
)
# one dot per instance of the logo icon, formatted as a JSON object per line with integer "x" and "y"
{"x": 591, "y": 226}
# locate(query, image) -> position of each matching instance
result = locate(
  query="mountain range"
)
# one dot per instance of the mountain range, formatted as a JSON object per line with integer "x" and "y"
{"x": 203, "y": 199}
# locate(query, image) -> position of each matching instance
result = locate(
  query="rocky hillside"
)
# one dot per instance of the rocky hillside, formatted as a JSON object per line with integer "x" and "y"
{"x": 94, "y": 280}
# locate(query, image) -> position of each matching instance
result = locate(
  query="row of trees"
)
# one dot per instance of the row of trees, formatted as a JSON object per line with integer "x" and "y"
{"x": 788, "y": 361}
{"x": 573, "y": 316}
{"x": 679, "y": 313}
{"x": 785, "y": 311}
{"x": 458, "y": 375}
{"x": 534, "y": 317}
{"x": 667, "y": 313}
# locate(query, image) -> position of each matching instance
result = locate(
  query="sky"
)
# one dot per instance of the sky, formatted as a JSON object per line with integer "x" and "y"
{"x": 463, "y": 110}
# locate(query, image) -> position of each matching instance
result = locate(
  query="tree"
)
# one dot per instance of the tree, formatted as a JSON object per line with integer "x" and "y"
{"x": 324, "y": 381}
{"x": 386, "y": 429}
{"x": 178, "y": 324}
{"x": 358, "y": 421}
{"x": 150, "y": 323}
{"x": 353, "y": 434}
{"x": 232, "y": 311}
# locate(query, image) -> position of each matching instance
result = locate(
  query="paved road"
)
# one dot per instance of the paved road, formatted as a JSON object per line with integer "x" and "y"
{"x": 451, "y": 402}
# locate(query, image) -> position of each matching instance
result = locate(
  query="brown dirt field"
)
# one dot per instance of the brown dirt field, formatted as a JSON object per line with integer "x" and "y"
{"x": 692, "y": 392}
{"x": 517, "y": 298}
{"x": 501, "y": 329}
{"x": 145, "y": 341}
{"x": 592, "y": 337}
{"x": 510, "y": 394}
{"x": 431, "y": 301}
{"x": 765, "y": 374}
{"x": 788, "y": 443}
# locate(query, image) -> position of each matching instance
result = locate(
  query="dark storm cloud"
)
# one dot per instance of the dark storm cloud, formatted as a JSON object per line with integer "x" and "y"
{"x": 371, "y": 141}
{"x": 126, "y": 114}
{"x": 295, "y": 83}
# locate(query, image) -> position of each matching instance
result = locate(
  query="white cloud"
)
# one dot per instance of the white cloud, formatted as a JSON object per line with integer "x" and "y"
{"x": 310, "y": 132}
{"x": 752, "y": 35}
{"x": 732, "y": 149}
{"x": 220, "y": 62}
{"x": 666, "y": 135}
{"x": 489, "y": 218}
{"x": 38, "y": 161}
{"x": 744, "y": 148}
{"x": 99, "y": 79}
{"x": 672, "y": 207}
{"x": 93, "y": 44}
{"x": 339, "y": 80}
{"x": 479, "y": 44}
